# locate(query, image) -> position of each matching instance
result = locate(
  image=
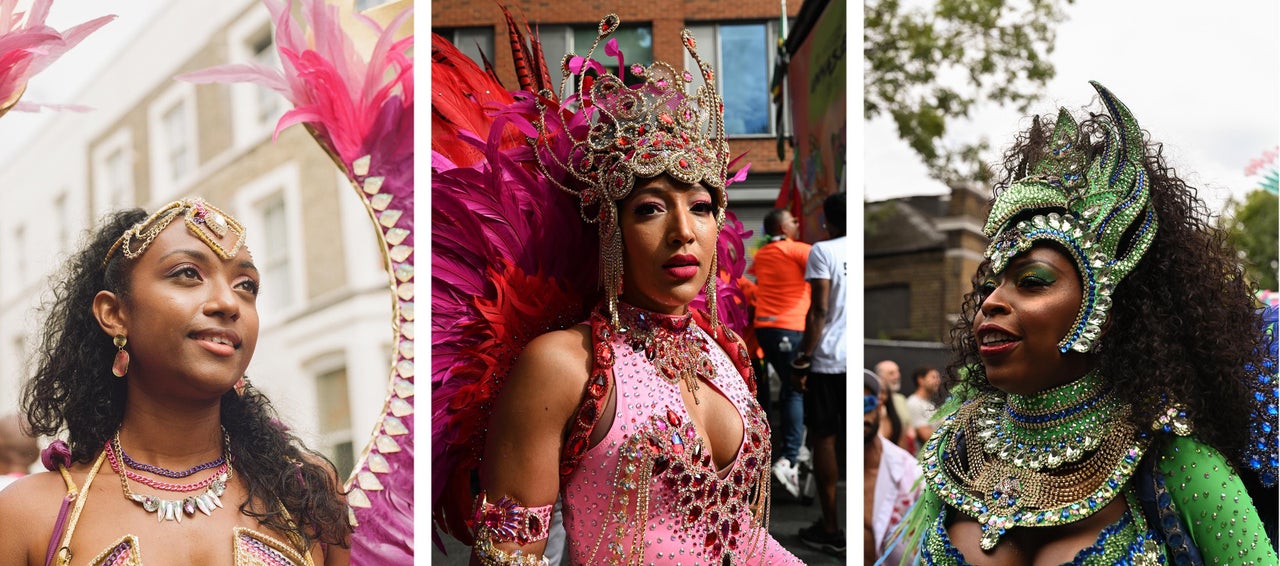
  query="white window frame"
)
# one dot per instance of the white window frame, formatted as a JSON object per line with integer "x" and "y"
{"x": 103, "y": 191}
{"x": 164, "y": 186}
{"x": 247, "y": 128}
{"x": 284, "y": 181}
{"x": 708, "y": 33}
{"x": 320, "y": 365}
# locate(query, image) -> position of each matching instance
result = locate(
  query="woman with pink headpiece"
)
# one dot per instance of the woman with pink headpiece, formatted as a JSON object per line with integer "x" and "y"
{"x": 607, "y": 388}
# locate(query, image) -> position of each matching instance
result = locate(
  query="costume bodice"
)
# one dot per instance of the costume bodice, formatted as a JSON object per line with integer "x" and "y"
{"x": 648, "y": 492}
{"x": 1182, "y": 497}
{"x": 250, "y": 547}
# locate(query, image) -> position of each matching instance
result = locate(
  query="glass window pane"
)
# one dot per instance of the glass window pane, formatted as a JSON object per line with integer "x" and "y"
{"x": 473, "y": 41}
{"x": 335, "y": 409}
{"x": 745, "y": 83}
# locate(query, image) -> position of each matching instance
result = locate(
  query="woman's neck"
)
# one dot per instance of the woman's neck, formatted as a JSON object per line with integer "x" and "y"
{"x": 169, "y": 436}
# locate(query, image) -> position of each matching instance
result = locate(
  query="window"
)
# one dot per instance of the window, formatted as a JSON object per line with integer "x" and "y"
{"x": 335, "y": 419}
{"x": 113, "y": 173}
{"x": 179, "y": 155}
{"x": 273, "y": 260}
{"x": 269, "y": 104}
{"x": 172, "y": 140}
{"x": 636, "y": 43}
{"x": 742, "y": 55}
{"x": 472, "y": 41}
{"x": 119, "y": 178}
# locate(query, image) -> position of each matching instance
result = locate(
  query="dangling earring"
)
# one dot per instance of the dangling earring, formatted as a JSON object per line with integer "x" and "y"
{"x": 240, "y": 385}
{"x": 121, "y": 365}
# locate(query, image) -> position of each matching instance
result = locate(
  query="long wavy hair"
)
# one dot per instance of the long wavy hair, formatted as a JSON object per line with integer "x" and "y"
{"x": 1183, "y": 324}
{"x": 72, "y": 389}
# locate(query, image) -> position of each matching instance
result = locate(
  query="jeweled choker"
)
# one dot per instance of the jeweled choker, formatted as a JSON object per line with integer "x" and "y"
{"x": 1050, "y": 428}
{"x": 670, "y": 343}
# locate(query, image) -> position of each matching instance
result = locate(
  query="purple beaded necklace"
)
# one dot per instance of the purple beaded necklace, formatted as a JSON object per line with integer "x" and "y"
{"x": 136, "y": 465}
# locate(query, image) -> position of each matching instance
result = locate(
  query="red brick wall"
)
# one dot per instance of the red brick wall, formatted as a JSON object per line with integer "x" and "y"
{"x": 667, "y": 18}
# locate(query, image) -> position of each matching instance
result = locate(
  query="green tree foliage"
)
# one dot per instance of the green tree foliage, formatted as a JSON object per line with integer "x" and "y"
{"x": 926, "y": 66}
{"x": 1251, "y": 227}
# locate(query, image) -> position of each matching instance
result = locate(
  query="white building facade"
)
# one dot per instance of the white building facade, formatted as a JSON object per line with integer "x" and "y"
{"x": 324, "y": 348}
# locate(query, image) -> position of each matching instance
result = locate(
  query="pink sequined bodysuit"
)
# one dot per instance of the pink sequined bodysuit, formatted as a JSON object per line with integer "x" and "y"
{"x": 648, "y": 491}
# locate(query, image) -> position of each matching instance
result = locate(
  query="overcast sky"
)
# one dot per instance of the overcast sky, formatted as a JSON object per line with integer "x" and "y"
{"x": 1201, "y": 77}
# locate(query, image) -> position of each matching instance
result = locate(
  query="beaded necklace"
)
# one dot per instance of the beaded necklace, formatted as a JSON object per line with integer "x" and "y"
{"x": 1047, "y": 459}
{"x": 159, "y": 471}
{"x": 670, "y": 343}
{"x": 173, "y": 510}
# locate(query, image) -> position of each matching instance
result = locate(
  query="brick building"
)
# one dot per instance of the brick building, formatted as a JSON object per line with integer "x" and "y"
{"x": 738, "y": 39}
{"x": 920, "y": 256}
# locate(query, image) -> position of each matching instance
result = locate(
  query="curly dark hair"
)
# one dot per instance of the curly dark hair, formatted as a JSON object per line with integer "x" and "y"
{"x": 69, "y": 390}
{"x": 1186, "y": 311}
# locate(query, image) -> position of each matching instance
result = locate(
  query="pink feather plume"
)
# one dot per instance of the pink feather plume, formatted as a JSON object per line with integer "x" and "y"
{"x": 28, "y": 46}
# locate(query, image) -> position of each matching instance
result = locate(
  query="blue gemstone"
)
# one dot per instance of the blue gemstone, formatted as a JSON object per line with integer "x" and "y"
{"x": 1165, "y": 499}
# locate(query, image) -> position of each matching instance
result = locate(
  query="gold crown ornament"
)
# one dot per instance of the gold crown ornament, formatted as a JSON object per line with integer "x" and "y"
{"x": 598, "y": 141}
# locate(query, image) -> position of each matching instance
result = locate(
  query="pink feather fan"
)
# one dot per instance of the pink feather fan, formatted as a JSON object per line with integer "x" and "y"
{"x": 28, "y": 46}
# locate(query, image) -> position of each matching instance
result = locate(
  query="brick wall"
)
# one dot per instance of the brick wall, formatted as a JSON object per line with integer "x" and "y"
{"x": 667, "y": 17}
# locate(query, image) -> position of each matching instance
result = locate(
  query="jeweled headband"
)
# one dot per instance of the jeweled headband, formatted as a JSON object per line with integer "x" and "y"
{"x": 617, "y": 133}
{"x": 1084, "y": 210}
{"x": 203, "y": 220}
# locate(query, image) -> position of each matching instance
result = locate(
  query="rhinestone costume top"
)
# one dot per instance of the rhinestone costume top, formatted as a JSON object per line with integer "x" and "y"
{"x": 251, "y": 548}
{"x": 648, "y": 491}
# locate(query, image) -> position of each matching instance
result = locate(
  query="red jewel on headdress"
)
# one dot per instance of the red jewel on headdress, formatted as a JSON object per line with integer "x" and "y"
{"x": 666, "y": 118}
{"x": 684, "y": 163}
{"x": 688, "y": 40}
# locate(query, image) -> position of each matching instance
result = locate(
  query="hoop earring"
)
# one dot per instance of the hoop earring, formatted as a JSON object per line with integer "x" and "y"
{"x": 120, "y": 367}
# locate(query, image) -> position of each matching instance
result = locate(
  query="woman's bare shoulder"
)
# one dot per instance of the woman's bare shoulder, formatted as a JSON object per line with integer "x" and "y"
{"x": 552, "y": 370}
{"x": 28, "y": 509}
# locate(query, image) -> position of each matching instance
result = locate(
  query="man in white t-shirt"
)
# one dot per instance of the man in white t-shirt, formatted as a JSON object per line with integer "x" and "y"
{"x": 822, "y": 367}
{"x": 920, "y": 405}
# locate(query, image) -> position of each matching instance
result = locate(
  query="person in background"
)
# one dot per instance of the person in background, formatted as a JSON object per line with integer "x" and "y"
{"x": 18, "y": 450}
{"x": 920, "y": 405}
{"x": 889, "y": 475}
{"x": 903, "y": 434}
{"x": 823, "y": 368}
{"x": 782, "y": 300}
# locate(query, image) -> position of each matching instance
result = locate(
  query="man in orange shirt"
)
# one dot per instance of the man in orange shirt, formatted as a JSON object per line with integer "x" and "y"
{"x": 782, "y": 299}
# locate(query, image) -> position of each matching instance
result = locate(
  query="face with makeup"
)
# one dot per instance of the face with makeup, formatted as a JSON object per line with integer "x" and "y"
{"x": 1025, "y": 311}
{"x": 190, "y": 317}
{"x": 668, "y": 238}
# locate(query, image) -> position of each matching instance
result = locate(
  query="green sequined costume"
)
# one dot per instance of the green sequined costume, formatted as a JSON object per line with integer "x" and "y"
{"x": 1007, "y": 461}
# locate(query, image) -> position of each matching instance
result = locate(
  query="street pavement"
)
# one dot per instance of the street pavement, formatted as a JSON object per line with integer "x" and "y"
{"x": 788, "y": 517}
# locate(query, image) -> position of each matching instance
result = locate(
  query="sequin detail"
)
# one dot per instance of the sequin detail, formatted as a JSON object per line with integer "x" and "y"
{"x": 253, "y": 548}
{"x": 649, "y": 492}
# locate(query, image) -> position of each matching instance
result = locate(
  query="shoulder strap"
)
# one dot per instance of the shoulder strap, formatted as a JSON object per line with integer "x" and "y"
{"x": 64, "y": 526}
{"x": 593, "y": 397}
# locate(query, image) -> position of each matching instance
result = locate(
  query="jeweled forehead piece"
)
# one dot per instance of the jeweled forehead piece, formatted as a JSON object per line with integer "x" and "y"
{"x": 1085, "y": 209}
{"x": 204, "y": 221}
